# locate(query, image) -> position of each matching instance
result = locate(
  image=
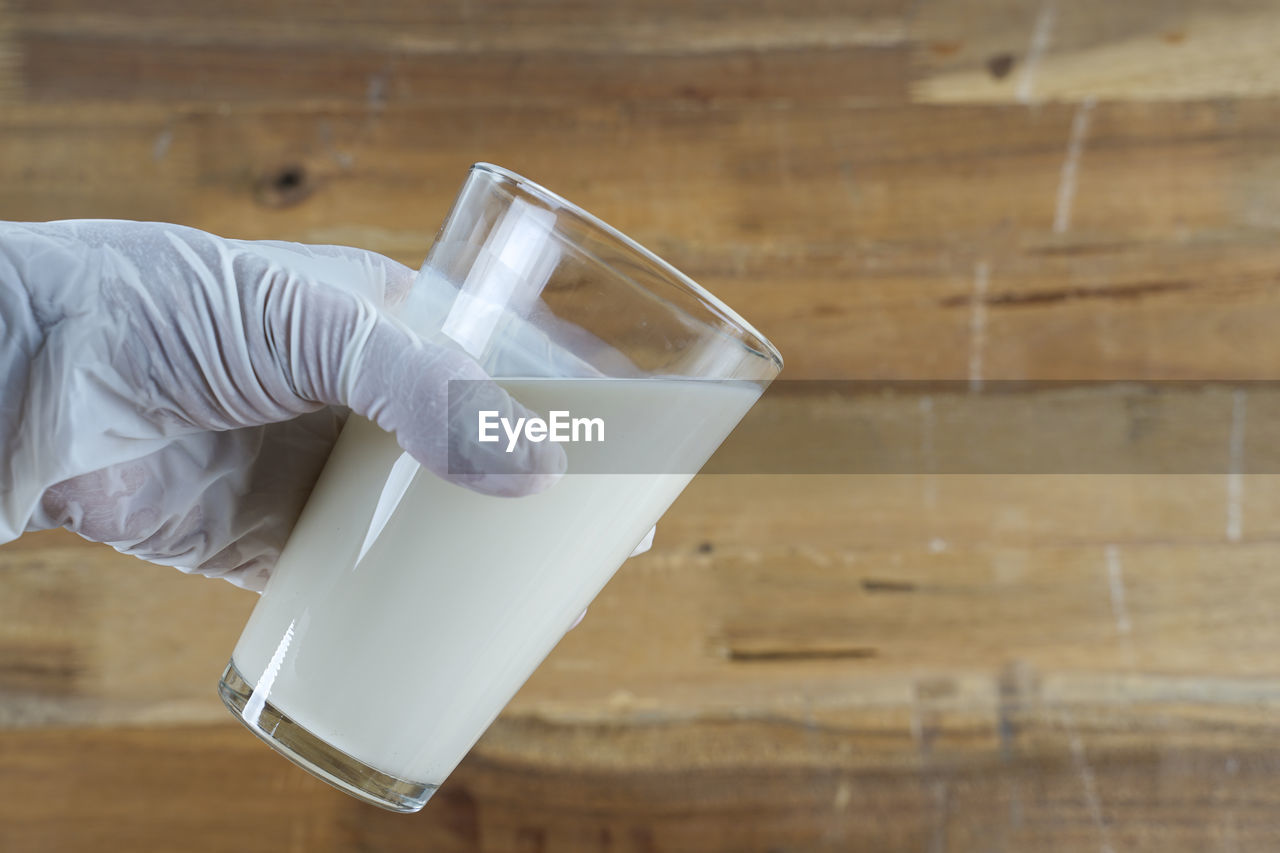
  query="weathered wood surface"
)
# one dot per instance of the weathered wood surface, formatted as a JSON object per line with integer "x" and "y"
{"x": 91, "y": 789}
{"x": 892, "y": 190}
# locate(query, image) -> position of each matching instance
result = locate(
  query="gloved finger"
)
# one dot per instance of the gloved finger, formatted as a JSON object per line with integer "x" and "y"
{"x": 376, "y": 277}
{"x": 646, "y": 543}
{"x": 339, "y": 349}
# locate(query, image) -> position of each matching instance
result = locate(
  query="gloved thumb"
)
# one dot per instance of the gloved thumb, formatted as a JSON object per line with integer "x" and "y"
{"x": 339, "y": 348}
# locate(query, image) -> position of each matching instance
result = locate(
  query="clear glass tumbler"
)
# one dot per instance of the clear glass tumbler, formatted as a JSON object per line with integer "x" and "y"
{"x": 406, "y": 611}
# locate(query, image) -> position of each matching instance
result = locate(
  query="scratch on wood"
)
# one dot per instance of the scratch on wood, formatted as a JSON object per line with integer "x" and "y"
{"x": 1235, "y": 474}
{"x": 1015, "y": 805}
{"x": 978, "y": 323}
{"x": 916, "y": 725}
{"x": 325, "y": 140}
{"x": 1040, "y": 35}
{"x": 1008, "y": 705}
{"x": 783, "y": 139}
{"x": 376, "y": 92}
{"x": 1090, "y": 785}
{"x": 926, "y": 697}
{"x": 844, "y": 794}
{"x": 1135, "y": 290}
{"x": 1017, "y": 690}
{"x": 941, "y": 816}
{"x": 298, "y": 835}
{"x": 1071, "y": 165}
{"x": 928, "y": 456}
{"x": 883, "y": 585}
{"x": 786, "y": 653}
{"x": 1072, "y": 249}
{"x": 1115, "y": 580}
{"x": 163, "y": 141}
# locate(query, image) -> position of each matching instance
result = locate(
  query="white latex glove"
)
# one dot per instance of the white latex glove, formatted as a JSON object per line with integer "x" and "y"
{"x": 175, "y": 394}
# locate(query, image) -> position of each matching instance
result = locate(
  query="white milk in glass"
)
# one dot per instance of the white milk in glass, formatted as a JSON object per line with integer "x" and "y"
{"x": 399, "y": 641}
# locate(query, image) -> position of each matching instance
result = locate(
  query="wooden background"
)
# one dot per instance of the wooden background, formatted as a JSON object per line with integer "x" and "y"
{"x": 891, "y": 189}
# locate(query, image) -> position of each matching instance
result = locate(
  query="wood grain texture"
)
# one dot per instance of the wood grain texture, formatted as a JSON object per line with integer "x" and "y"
{"x": 500, "y": 52}
{"x": 1025, "y": 52}
{"x": 245, "y": 797}
{"x": 852, "y": 235}
{"x": 629, "y": 25}
{"x": 971, "y": 191}
{"x": 1026, "y": 573}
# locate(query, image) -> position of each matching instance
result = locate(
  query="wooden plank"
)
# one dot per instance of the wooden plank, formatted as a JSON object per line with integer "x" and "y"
{"x": 146, "y": 790}
{"x": 502, "y": 24}
{"x": 1043, "y": 428}
{"x": 907, "y": 514}
{"x": 628, "y": 25}
{"x": 1010, "y": 51}
{"x": 497, "y": 53}
{"x": 764, "y": 593}
{"x": 972, "y": 52}
{"x": 1166, "y": 269}
{"x": 71, "y": 68}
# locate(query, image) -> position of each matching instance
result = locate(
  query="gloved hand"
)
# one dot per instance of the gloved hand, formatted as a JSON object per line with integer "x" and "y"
{"x": 175, "y": 394}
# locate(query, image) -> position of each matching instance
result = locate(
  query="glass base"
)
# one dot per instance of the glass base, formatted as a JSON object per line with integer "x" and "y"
{"x": 319, "y": 758}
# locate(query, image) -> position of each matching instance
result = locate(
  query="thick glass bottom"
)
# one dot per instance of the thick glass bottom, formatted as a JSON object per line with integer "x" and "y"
{"x": 317, "y": 757}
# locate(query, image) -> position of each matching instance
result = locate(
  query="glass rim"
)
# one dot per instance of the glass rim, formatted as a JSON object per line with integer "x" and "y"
{"x": 767, "y": 349}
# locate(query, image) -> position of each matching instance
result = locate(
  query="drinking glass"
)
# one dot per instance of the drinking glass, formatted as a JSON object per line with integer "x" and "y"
{"x": 405, "y": 611}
